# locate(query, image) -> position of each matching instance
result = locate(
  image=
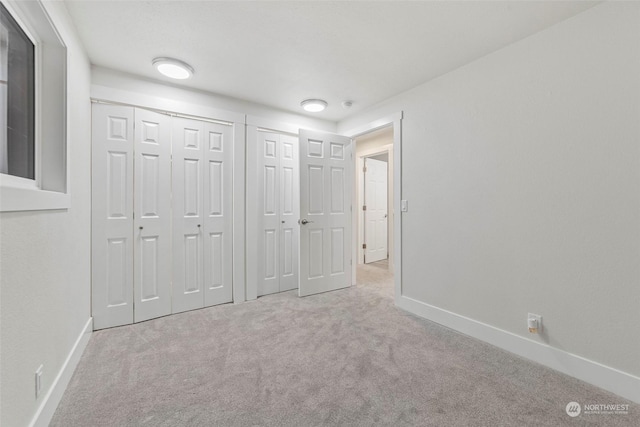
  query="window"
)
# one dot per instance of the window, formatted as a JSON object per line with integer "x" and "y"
{"x": 33, "y": 108}
{"x": 17, "y": 99}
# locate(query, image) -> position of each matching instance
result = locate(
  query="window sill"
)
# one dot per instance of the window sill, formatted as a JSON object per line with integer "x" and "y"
{"x": 16, "y": 198}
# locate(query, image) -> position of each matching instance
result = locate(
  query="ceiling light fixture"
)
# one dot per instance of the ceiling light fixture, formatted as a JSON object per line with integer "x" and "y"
{"x": 173, "y": 68}
{"x": 314, "y": 105}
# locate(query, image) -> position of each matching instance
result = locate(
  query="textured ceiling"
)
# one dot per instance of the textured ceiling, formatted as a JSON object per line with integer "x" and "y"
{"x": 279, "y": 53}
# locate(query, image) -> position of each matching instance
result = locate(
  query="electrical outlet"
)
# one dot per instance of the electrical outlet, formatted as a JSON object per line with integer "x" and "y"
{"x": 39, "y": 380}
{"x": 534, "y": 322}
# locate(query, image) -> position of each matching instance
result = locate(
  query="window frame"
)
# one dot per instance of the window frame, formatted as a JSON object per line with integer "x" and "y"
{"x": 49, "y": 190}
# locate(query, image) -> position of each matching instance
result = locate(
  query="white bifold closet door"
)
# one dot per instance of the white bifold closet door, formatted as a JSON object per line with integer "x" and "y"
{"x": 131, "y": 168}
{"x": 202, "y": 214}
{"x": 112, "y": 216}
{"x": 273, "y": 211}
{"x": 152, "y": 221}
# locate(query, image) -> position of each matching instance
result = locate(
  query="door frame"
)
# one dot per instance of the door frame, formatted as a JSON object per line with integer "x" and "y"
{"x": 396, "y": 121}
{"x": 360, "y": 198}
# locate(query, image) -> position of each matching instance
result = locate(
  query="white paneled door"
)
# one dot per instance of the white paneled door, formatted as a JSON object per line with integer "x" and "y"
{"x": 161, "y": 226}
{"x": 152, "y": 222}
{"x": 326, "y": 182}
{"x": 112, "y": 216}
{"x": 273, "y": 201}
{"x": 289, "y": 212}
{"x": 375, "y": 214}
{"x": 218, "y": 213}
{"x": 202, "y": 216}
{"x": 188, "y": 215}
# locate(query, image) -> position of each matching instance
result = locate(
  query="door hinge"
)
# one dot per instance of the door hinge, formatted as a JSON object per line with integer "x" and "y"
{"x": 364, "y": 169}
{"x": 364, "y": 208}
{"x": 364, "y": 246}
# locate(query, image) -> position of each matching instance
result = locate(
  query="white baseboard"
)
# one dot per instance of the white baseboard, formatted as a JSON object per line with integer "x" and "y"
{"x": 621, "y": 383}
{"x": 54, "y": 395}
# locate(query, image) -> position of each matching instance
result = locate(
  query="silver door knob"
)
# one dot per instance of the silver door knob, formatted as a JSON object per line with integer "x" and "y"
{"x": 304, "y": 222}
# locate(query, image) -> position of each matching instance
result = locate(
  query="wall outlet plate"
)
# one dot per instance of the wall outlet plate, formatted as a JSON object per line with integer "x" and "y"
{"x": 534, "y": 323}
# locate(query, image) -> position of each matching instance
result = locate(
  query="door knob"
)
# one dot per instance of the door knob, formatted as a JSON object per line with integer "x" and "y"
{"x": 304, "y": 222}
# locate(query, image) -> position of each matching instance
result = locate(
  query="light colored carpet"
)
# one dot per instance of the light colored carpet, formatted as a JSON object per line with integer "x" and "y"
{"x": 347, "y": 357}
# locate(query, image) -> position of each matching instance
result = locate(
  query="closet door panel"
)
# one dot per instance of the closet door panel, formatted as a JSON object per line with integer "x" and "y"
{"x": 289, "y": 213}
{"x": 273, "y": 203}
{"x": 268, "y": 239}
{"x": 152, "y": 223}
{"x": 112, "y": 215}
{"x": 188, "y": 214}
{"x": 218, "y": 213}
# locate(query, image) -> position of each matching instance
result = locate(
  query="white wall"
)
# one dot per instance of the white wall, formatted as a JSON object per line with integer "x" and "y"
{"x": 522, "y": 171}
{"x": 45, "y": 272}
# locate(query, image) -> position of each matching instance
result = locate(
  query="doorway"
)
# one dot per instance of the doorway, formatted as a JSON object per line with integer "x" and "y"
{"x": 299, "y": 210}
{"x": 325, "y": 242}
{"x": 374, "y": 183}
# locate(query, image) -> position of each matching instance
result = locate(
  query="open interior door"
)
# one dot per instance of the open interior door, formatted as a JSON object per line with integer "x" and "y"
{"x": 326, "y": 180}
{"x": 375, "y": 210}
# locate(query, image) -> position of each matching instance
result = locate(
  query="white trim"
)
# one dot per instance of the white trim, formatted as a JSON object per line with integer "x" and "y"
{"x": 24, "y": 24}
{"x": 395, "y": 120}
{"x": 273, "y": 125}
{"x": 610, "y": 379}
{"x": 7, "y": 180}
{"x": 252, "y": 224}
{"x": 31, "y": 199}
{"x": 135, "y": 99}
{"x": 239, "y": 212}
{"x": 51, "y": 400}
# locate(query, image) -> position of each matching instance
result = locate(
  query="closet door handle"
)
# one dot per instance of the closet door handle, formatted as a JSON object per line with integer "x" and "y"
{"x": 141, "y": 227}
{"x": 304, "y": 221}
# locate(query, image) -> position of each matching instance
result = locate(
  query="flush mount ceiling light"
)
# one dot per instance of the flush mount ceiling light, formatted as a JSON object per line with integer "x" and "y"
{"x": 173, "y": 68}
{"x": 314, "y": 105}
